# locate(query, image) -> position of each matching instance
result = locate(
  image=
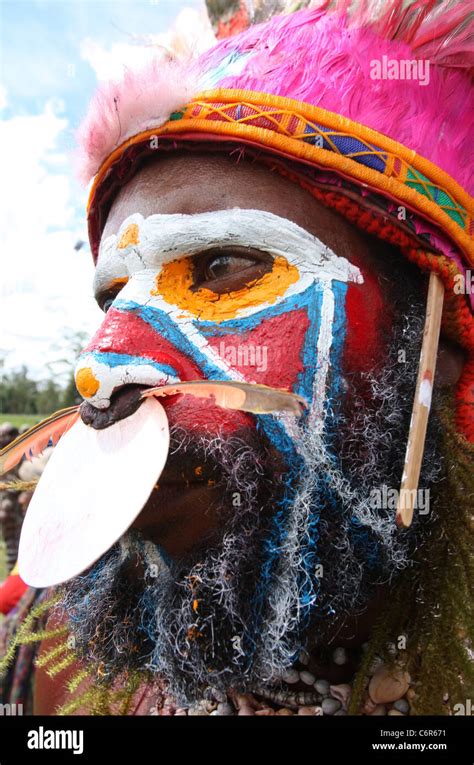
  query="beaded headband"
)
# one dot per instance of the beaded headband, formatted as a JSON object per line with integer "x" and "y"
{"x": 302, "y": 93}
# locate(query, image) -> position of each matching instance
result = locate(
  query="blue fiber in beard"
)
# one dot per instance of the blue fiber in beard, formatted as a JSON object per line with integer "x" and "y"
{"x": 164, "y": 555}
{"x": 308, "y": 581}
{"x": 365, "y": 546}
{"x": 308, "y": 584}
{"x": 91, "y": 576}
{"x": 147, "y": 607}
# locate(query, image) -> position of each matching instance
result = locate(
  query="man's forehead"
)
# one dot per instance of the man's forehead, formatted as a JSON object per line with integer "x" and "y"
{"x": 194, "y": 183}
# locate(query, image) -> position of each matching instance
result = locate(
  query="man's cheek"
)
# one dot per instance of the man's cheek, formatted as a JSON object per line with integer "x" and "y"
{"x": 136, "y": 346}
{"x": 301, "y": 343}
{"x": 270, "y": 353}
{"x": 367, "y": 347}
{"x": 369, "y": 320}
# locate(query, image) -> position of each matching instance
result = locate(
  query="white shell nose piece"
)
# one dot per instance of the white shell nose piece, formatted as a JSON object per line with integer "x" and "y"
{"x": 92, "y": 489}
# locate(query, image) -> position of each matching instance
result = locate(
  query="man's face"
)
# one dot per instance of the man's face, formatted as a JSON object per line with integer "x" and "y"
{"x": 261, "y": 525}
{"x": 214, "y": 270}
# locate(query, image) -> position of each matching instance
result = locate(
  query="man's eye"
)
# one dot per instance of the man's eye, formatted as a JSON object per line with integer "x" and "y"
{"x": 227, "y": 271}
{"x": 225, "y": 265}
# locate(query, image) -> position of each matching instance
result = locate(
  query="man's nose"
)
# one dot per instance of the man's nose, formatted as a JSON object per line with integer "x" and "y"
{"x": 132, "y": 347}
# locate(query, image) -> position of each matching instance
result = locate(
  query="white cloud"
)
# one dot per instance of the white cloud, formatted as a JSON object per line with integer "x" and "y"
{"x": 3, "y": 96}
{"x": 190, "y": 34}
{"x": 46, "y": 285}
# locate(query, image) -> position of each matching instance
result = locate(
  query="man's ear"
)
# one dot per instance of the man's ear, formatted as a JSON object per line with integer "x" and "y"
{"x": 451, "y": 359}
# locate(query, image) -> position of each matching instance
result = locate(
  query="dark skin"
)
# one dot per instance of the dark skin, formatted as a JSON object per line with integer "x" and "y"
{"x": 193, "y": 184}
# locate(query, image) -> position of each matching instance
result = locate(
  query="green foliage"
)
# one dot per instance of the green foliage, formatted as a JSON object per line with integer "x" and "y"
{"x": 221, "y": 8}
{"x": 3, "y": 560}
{"x": 21, "y": 394}
{"x": 18, "y": 392}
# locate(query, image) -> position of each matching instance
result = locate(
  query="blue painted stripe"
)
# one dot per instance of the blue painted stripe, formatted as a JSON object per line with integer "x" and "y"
{"x": 121, "y": 359}
{"x": 244, "y": 324}
{"x": 313, "y": 299}
{"x": 339, "y": 331}
{"x": 164, "y": 326}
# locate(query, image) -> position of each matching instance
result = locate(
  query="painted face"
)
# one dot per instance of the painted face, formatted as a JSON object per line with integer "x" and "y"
{"x": 248, "y": 295}
{"x": 283, "y": 324}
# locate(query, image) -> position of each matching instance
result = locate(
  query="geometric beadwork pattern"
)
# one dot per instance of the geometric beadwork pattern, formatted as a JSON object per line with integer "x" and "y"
{"x": 289, "y": 123}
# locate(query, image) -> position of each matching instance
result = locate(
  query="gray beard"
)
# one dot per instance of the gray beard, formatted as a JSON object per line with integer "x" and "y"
{"x": 236, "y": 612}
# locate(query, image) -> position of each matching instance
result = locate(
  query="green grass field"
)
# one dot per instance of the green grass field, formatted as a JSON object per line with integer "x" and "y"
{"x": 21, "y": 419}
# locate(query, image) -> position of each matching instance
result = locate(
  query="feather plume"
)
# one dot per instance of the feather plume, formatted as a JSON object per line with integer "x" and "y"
{"x": 323, "y": 56}
{"x": 45, "y": 433}
{"x": 320, "y": 55}
{"x": 143, "y": 99}
{"x": 246, "y": 397}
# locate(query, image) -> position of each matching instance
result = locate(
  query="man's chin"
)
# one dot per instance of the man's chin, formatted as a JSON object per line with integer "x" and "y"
{"x": 182, "y": 576}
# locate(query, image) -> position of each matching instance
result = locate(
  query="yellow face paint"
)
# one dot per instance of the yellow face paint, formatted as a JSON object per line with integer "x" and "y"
{"x": 119, "y": 282}
{"x": 129, "y": 236}
{"x": 86, "y": 382}
{"x": 175, "y": 281}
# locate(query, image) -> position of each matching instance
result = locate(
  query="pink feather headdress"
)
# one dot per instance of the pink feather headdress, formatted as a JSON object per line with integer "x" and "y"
{"x": 368, "y": 104}
{"x": 321, "y": 56}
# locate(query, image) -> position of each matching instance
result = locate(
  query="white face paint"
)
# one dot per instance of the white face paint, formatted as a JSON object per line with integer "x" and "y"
{"x": 426, "y": 391}
{"x": 144, "y": 247}
{"x": 164, "y": 238}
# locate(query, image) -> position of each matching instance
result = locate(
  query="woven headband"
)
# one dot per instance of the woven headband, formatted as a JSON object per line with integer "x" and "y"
{"x": 410, "y": 192}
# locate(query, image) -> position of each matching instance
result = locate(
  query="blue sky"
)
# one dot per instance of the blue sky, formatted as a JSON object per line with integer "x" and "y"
{"x": 42, "y": 42}
{"x": 53, "y": 55}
